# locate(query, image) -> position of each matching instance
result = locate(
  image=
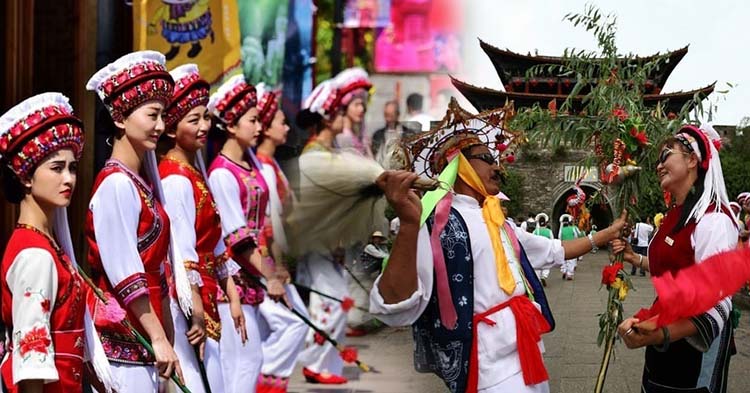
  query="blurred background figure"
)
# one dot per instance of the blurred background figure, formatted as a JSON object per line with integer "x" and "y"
{"x": 415, "y": 111}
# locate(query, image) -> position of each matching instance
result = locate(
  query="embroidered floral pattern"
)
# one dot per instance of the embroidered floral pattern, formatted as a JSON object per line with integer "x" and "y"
{"x": 44, "y": 302}
{"x": 37, "y": 340}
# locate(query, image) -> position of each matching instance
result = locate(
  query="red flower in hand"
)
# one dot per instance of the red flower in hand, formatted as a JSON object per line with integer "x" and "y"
{"x": 609, "y": 274}
{"x": 349, "y": 354}
{"x": 45, "y": 305}
{"x": 319, "y": 339}
{"x": 37, "y": 340}
{"x": 347, "y": 304}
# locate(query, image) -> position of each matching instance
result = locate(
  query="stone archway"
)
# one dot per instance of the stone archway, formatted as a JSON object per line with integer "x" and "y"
{"x": 601, "y": 213}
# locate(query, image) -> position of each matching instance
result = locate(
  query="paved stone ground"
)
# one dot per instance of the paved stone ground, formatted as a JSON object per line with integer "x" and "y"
{"x": 572, "y": 355}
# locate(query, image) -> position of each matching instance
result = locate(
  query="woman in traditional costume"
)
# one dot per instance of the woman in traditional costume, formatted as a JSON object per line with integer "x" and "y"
{"x": 689, "y": 355}
{"x": 197, "y": 225}
{"x": 43, "y": 296}
{"x": 127, "y": 229}
{"x": 323, "y": 270}
{"x": 284, "y": 332}
{"x": 353, "y": 86}
{"x": 241, "y": 196}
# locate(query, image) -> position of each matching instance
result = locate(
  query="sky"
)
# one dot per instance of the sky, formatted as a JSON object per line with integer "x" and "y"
{"x": 716, "y": 30}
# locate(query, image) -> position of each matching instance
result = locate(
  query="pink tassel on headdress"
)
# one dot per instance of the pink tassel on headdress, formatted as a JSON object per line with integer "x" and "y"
{"x": 696, "y": 289}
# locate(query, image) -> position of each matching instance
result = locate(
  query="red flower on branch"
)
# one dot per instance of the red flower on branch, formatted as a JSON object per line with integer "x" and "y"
{"x": 349, "y": 354}
{"x": 347, "y": 304}
{"x": 36, "y": 339}
{"x": 620, "y": 113}
{"x": 45, "y": 305}
{"x": 609, "y": 274}
{"x": 319, "y": 339}
{"x": 640, "y": 137}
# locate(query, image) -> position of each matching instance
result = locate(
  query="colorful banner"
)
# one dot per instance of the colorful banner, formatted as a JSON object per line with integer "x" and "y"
{"x": 367, "y": 13}
{"x": 263, "y": 25}
{"x": 204, "y": 32}
{"x": 422, "y": 37}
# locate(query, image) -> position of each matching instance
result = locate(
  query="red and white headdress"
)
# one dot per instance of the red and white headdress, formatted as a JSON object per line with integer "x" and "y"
{"x": 233, "y": 99}
{"x": 705, "y": 143}
{"x": 190, "y": 91}
{"x": 132, "y": 80}
{"x": 351, "y": 83}
{"x": 743, "y": 197}
{"x": 37, "y": 127}
{"x": 321, "y": 100}
{"x": 268, "y": 104}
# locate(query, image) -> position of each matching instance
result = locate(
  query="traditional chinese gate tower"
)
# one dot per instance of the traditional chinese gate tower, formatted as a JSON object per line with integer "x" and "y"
{"x": 541, "y": 194}
{"x": 526, "y": 91}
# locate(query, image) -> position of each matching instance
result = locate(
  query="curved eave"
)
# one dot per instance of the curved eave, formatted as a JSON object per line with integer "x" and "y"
{"x": 484, "y": 98}
{"x": 507, "y": 62}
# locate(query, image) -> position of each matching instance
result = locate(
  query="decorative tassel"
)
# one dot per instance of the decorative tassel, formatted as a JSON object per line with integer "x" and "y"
{"x": 93, "y": 348}
{"x": 181, "y": 282}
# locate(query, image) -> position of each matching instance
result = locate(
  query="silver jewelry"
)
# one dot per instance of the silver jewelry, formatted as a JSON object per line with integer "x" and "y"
{"x": 591, "y": 240}
{"x": 627, "y": 332}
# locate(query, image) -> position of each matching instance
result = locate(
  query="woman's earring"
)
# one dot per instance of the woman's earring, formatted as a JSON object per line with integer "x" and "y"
{"x": 108, "y": 141}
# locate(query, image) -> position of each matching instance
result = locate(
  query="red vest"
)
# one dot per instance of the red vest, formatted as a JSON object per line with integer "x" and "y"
{"x": 207, "y": 234}
{"x": 671, "y": 252}
{"x": 153, "y": 245}
{"x": 253, "y": 199}
{"x": 65, "y": 320}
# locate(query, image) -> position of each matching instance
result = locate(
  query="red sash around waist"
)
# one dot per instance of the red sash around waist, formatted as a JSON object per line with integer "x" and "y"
{"x": 530, "y": 324}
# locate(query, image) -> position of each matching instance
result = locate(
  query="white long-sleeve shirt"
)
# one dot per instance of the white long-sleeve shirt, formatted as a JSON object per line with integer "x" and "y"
{"x": 498, "y": 355}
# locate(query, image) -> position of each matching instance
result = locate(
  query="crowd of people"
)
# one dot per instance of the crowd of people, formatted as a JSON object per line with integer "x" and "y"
{"x": 189, "y": 260}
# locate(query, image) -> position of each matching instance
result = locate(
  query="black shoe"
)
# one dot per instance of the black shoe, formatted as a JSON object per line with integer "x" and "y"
{"x": 544, "y": 282}
{"x": 173, "y": 51}
{"x": 643, "y": 274}
{"x": 194, "y": 50}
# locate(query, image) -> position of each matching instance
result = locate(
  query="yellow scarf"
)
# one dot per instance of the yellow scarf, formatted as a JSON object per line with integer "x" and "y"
{"x": 494, "y": 219}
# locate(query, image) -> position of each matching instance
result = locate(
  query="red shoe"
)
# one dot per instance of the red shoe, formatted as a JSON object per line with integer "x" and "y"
{"x": 355, "y": 332}
{"x": 323, "y": 378}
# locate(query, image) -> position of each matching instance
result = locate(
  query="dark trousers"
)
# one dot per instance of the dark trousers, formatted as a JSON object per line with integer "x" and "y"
{"x": 642, "y": 251}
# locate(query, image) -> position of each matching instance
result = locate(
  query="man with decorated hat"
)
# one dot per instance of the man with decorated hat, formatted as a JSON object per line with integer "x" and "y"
{"x": 465, "y": 280}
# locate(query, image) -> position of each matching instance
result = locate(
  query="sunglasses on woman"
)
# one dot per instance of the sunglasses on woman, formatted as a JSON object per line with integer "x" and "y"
{"x": 664, "y": 155}
{"x": 486, "y": 157}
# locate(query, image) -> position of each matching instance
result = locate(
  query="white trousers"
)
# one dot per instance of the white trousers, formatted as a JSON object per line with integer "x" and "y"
{"x": 327, "y": 314}
{"x": 542, "y": 274}
{"x": 240, "y": 362}
{"x": 515, "y": 384}
{"x": 569, "y": 267}
{"x": 185, "y": 352}
{"x": 134, "y": 378}
{"x": 284, "y": 335}
{"x": 212, "y": 362}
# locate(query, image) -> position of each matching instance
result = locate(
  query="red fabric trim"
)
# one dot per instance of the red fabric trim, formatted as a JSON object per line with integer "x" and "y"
{"x": 530, "y": 324}
{"x": 131, "y": 287}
